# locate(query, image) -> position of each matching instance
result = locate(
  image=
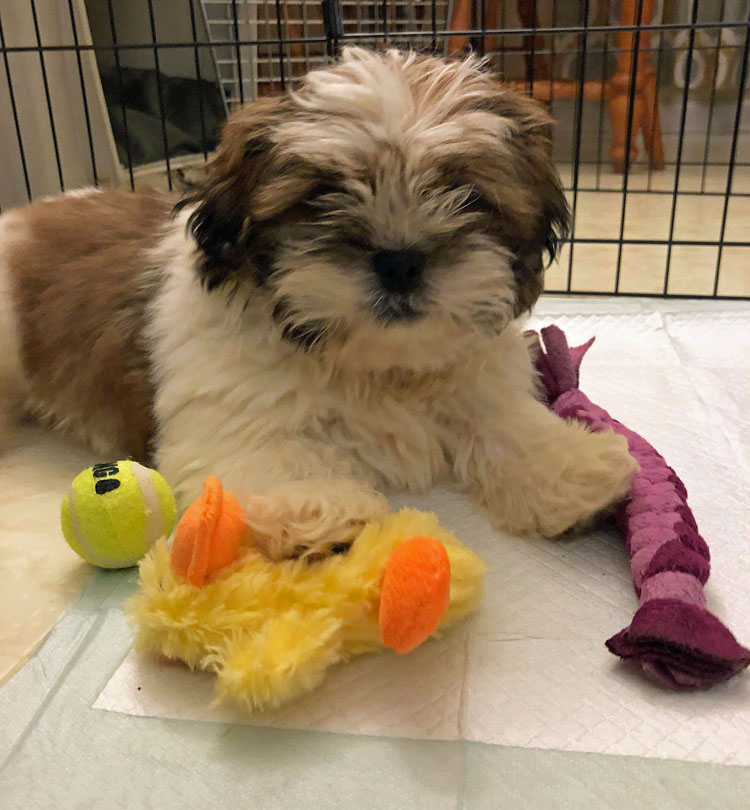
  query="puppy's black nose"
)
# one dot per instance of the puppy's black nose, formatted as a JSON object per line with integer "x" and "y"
{"x": 399, "y": 271}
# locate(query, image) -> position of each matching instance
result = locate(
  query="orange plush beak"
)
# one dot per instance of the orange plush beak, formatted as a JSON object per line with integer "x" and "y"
{"x": 416, "y": 593}
{"x": 209, "y": 534}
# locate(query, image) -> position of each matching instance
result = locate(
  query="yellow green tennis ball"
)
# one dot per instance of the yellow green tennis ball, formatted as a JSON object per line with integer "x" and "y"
{"x": 115, "y": 511}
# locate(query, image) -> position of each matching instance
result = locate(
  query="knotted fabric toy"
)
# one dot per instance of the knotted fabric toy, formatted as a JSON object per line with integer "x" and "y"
{"x": 672, "y": 638}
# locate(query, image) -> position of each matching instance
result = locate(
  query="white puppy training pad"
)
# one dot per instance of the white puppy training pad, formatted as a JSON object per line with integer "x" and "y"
{"x": 531, "y": 669}
{"x": 529, "y": 674}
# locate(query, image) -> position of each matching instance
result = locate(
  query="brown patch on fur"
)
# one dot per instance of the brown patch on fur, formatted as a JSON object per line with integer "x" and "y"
{"x": 243, "y": 186}
{"x": 81, "y": 280}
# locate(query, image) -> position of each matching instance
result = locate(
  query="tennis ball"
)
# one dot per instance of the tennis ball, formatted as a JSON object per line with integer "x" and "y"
{"x": 115, "y": 511}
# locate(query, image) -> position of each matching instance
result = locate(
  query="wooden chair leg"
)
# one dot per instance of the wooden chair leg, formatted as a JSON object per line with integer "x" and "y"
{"x": 493, "y": 16}
{"x": 651, "y": 123}
{"x": 645, "y": 115}
{"x": 619, "y": 108}
{"x": 536, "y": 64}
{"x": 460, "y": 21}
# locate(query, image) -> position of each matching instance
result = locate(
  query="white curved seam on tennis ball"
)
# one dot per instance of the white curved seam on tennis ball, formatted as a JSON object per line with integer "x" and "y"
{"x": 151, "y": 502}
{"x": 94, "y": 557}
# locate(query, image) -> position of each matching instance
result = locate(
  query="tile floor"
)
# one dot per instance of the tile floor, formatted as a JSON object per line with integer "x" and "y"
{"x": 653, "y": 214}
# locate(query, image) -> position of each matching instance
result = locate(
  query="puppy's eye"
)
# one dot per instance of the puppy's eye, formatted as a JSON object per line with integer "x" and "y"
{"x": 472, "y": 197}
{"x": 355, "y": 242}
{"x": 476, "y": 198}
{"x": 321, "y": 193}
{"x": 324, "y": 189}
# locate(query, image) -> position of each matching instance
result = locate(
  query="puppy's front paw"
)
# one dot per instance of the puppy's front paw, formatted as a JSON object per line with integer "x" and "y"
{"x": 565, "y": 487}
{"x": 313, "y": 518}
{"x": 595, "y": 477}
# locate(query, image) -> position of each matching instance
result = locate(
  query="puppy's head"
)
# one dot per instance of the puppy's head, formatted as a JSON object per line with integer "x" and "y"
{"x": 392, "y": 201}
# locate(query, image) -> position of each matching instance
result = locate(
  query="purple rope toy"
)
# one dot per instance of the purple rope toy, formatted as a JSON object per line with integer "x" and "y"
{"x": 672, "y": 637}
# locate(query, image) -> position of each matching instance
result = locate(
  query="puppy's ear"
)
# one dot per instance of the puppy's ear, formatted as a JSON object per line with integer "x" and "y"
{"x": 222, "y": 221}
{"x": 532, "y": 257}
{"x": 547, "y": 222}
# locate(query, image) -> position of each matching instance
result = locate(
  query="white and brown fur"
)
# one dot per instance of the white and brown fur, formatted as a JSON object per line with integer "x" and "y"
{"x": 245, "y": 334}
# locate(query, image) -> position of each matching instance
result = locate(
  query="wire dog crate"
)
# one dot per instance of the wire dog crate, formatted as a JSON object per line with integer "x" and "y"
{"x": 652, "y": 141}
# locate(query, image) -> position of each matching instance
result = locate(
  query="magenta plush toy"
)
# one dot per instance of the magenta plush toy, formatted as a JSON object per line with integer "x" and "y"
{"x": 672, "y": 637}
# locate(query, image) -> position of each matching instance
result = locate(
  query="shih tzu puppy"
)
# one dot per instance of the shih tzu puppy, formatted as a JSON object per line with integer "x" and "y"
{"x": 329, "y": 314}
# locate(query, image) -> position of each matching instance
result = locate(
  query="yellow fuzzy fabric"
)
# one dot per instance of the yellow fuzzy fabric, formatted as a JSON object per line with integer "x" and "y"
{"x": 269, "y": 630}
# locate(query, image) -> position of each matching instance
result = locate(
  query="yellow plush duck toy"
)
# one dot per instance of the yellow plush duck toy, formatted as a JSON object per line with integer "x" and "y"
{"x": 269, "y": 630}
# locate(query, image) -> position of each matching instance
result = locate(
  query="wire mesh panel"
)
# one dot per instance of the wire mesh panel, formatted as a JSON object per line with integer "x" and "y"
{"x": 650, "y": 96}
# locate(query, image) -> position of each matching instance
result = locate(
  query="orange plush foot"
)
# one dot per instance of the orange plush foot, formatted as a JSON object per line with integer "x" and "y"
{"x": 209, "y": 534}
{"x": 415, "y": 594}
